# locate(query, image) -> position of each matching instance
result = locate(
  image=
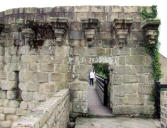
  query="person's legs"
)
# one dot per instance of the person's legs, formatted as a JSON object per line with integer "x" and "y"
{"x": 91, "y": 82}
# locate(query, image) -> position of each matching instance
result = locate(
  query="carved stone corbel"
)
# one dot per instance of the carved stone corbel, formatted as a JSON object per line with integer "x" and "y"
{"x": 150, "y": 28}
{"x": 121, "y": 29}
{"x": 90, "y": 28}
{"x": 60, "y": 26}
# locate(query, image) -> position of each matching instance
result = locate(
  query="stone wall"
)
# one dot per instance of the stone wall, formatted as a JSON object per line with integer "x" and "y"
{"x": 163, "y": 61}
{"x": 163, "y": 108}
{"x": 84, "y": 35}
{"x": 54, "y": 113}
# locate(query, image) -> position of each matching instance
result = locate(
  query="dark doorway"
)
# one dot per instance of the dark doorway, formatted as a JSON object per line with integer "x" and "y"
{"x": 98, "y": 95}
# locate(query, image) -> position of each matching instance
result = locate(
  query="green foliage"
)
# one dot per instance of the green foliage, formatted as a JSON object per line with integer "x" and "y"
{"x": 145, "y": 15}
{"x": 101, "y": 70}
{"x": 153, "y": 51}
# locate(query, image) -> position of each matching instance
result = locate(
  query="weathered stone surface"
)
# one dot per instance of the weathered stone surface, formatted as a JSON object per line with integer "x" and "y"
{"x": 9, "y": 110}
{"x": 79, "y": 86}
{"x": 135, "y": 60}
{"x": 56, "y": 108}
{"x": 11, "y": 94}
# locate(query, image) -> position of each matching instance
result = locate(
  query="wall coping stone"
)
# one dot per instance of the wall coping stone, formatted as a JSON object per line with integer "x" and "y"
{"x": 40, "y": 115}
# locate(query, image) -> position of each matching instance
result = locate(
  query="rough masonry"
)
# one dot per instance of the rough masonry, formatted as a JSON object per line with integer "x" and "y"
{"x": 44, "y": 50}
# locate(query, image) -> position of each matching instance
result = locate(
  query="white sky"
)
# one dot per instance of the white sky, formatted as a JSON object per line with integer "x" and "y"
{"x": 162, "y": 10}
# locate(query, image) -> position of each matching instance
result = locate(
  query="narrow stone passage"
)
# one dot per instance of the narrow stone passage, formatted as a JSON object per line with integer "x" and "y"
{"x": 95, "y": 107}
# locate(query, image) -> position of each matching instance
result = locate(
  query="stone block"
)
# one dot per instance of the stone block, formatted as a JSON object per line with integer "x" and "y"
{"x": 80, "y": 107}
{"x": 79, "y": 86}
{"x": 31, "y": 10}
{"x": 39, "y": 97}
{"x": 116, "y": 9}
{"x": 79, "y": 95}
{"x": 47, "y": 67}
{"x": 130, "y": 79}
{"x": 135, "y": 60}
{"x": 29, "y": 58}
{"x": 61, "y": 51}
{"x": 143, "y": 69}
{"x": 81, "y": 9}
{"x": 117, "y": 79}
{"x": 46, "y": 88}
{"x": 29, "y": 86}
{"x": 23, "y": 105}
{"x": 45, "y": 59}
{"x": 12, "y": 117}
{"x": 124, "y": 70}
{"x": 100, "y": 51}
{"x": 138, "y": 51}
{"x": 8, "y": 85}
{"x": 8, "y": 110}
{"x": 42, "y": 77}
{"x": 76, "y": 35}
{"x": 27, "y": 76}
{"x": 96, "y": 9}
{"x": 2, "y": 117}
{"x": 14, "y": 103}
{"x": 11, "y": 95}
{"x": 3, "y": 94}
{"x": 27, "y": 96}
{"x": 33, "y": 67}
{"x": 84, "y": 72}
{"x": 75, "y": 26}
{"x": 130, "y": 9}
{"x": 58, "y": 77}
{"x": 12, "y": 76}
{"x": 122, "y": 60}
{"x": 81, "y": 15}
{"x": 5, "y": 124}
{"x": 61, "y": 68}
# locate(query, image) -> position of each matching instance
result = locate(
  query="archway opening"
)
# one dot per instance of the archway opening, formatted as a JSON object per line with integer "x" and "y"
{"x": 99, "y": 92}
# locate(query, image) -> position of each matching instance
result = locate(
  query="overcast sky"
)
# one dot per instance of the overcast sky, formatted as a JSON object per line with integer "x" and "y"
{"x": 162, "y": 10}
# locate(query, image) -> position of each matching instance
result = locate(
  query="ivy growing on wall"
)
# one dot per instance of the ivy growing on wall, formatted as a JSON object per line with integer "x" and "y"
{"x": 145, "y": 15}
{"x": 153, "y": 49}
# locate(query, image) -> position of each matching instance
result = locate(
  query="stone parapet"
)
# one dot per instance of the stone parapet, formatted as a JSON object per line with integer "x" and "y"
{"x": 54, "y": 113}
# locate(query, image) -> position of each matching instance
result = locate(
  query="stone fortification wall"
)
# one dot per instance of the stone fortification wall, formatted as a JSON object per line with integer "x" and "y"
{"x": 56, "y": 48}
{"x": 54, "y": 113}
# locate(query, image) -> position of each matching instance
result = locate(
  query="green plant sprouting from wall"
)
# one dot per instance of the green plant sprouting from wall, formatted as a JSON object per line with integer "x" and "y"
{"x": 153, "y": 49}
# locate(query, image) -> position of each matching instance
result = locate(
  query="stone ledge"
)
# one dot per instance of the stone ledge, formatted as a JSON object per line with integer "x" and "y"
{"x": 40, "y": 115}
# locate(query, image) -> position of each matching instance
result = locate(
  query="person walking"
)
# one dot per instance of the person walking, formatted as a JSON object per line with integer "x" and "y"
{"x": 91, "y": 77}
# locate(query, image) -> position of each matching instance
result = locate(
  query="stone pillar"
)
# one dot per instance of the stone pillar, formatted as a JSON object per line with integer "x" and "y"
{"x": 163, "y": 108}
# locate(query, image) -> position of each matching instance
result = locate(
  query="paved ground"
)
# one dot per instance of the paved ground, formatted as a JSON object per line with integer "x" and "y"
{"x": 95, "y": 107}
{"x": 117, "y": 122}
